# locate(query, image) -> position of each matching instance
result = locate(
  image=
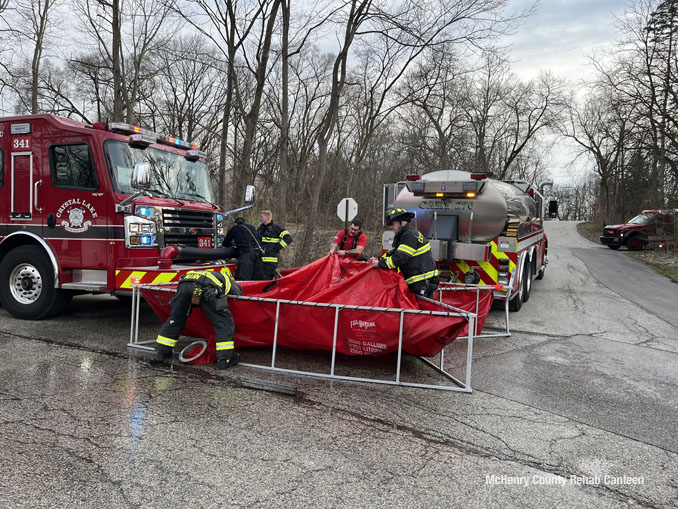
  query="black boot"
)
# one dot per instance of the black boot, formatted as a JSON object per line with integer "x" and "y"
{"x": 228, "y": 362}
{"x": 163, "y": 355}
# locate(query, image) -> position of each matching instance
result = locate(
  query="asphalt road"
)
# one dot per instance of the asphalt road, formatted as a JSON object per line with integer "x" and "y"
{"x": 632, "y": 280}
{"x": 576, "y": 409}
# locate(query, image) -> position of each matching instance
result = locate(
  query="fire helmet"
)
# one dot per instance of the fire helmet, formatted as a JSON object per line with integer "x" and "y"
{"x": 398, "y": 215}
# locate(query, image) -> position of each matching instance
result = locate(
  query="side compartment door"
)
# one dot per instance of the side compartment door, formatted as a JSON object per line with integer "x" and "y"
{"x": 21, "y": 207}
{"x": 4, "y": 213}
{"x": 74, "y": 202}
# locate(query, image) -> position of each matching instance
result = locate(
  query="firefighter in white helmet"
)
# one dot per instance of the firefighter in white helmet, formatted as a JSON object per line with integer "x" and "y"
{"x": 411, "y": 254}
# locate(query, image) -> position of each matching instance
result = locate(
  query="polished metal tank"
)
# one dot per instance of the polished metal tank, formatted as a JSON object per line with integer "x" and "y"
{"x": 481, "y": 218}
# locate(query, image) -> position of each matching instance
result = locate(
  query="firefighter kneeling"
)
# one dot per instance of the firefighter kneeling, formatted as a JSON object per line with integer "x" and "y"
{"x": 207, "y": 289}
{"x": 411, "y": 254}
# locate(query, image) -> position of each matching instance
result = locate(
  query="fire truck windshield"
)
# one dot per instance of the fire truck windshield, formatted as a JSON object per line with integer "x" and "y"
{"x": 641, "y": 219}
{"x": 173, "y": 175}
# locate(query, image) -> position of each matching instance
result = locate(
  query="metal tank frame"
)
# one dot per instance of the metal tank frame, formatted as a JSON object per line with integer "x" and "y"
{"x": 460, "y": 386}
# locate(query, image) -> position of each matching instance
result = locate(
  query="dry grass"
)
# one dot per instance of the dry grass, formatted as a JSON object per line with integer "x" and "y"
{"x": 664, "y": 261}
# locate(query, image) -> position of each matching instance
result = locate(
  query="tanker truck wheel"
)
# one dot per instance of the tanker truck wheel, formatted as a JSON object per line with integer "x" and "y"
{"x": 516, "y": 302}
{"x": 540, "y": 272}
{"x": 27, "y": 285}
{"x": 527, "y": 281}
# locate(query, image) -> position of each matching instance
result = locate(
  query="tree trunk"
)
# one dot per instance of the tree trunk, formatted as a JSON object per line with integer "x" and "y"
{"x": 246, "y": 175}
{"x": 307, "y": 241}
{"x": 284, "y": 120}
{"x": 223, "y": 150}
{"x": 37, "y": 56}
{"x": 117, "y": 76}
{"x": 228, "y": 105}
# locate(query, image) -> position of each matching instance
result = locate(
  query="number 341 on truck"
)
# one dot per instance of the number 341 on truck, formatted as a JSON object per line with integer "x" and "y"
{"x": 93, "y": 207}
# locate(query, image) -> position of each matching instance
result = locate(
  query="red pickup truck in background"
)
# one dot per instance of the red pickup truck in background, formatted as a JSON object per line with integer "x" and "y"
{"x": 649, "y": 229}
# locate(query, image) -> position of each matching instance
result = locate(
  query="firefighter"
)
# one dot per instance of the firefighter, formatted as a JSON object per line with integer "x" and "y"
{"x": 411, "y": 254}
{"x": 350, "y": 242}
{"x": 275, "y": 238}
{"x": 248, "y": 242}
{"x": 207, "y": 289}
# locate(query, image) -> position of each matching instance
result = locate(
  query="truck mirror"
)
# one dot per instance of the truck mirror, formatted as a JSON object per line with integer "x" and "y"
{"x": 141, "y": 176}
{"x": 250, "y": 194}
{"x": 553, "y": 208}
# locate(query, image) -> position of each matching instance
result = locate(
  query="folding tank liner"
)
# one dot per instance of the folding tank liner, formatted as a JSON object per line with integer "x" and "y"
{"x": 371, "y": 311}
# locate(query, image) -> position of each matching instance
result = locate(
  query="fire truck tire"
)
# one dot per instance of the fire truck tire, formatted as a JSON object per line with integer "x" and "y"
{"x": 635, "y": 243}
{"x": 27, "y": 285}
{"x": 527, "y": 281}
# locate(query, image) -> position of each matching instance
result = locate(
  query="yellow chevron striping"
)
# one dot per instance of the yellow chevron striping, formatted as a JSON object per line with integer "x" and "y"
{"x": 165, "y": 277}
{"x": 128, "y": 281}
{"x": 489, "y": 270}
{"x": 500, "y": 255}
{"x": 465, "y": 267}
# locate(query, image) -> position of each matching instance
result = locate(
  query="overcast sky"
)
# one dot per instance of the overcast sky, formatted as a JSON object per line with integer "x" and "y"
{"x": 560, "y": 37}
{"x": 562, "y": 34}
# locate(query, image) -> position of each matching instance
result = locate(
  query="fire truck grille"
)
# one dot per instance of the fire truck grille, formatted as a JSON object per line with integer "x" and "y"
{"x": 185, "y": 227}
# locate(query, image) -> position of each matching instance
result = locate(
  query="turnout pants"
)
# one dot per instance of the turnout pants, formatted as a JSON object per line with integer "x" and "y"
{"x": 250, "y": 267}
{"x": 270, "y": 270}
{"x": 222, "y": 322}
{"x": 425, "y": 287}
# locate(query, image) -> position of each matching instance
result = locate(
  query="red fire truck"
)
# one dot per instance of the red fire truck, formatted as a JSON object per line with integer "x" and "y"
{"x": 90, "y": 208}
{"x": 649, "y": 229}
{"x": 482, "y": 231}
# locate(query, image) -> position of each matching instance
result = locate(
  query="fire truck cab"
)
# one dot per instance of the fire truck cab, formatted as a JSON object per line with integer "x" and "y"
{"x": 89, "y": 208}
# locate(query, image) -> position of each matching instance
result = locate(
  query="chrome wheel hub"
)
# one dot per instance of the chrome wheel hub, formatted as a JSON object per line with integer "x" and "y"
{"x": 25, "y": 283}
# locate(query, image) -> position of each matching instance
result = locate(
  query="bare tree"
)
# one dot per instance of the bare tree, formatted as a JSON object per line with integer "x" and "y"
{"x": 188, "y": 91}
{"x": 308, "y": 95}
{"x": 126, "y": 35}
{"x": 577, "y": 200}
{"x": 600, "y": 129}
{"x": 243, "y": 32}
{"x": 642, "y": 75}
{"x": 36, "y": 14}
{"x": 30, "y": 29}
{"x": 482, "y": 100}
{"x": 426, "y": 26}
{"x": 284, "y": 109}
{"x": 532, "y": 108}
{"x": 6, "y": 51}
{"x": 433, "y": 90}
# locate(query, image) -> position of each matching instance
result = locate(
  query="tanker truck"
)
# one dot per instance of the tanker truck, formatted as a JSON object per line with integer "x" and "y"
{"x": 482, "y": 231}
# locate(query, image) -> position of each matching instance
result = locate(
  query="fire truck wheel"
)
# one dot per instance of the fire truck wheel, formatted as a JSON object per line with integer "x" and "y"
{"x": 635, "y": 243}
{"x": 527, "y": 280}
{"x": 27, "y": 285}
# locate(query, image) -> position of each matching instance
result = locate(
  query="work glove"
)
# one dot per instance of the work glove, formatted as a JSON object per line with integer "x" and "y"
{"x": 210, "y": 296}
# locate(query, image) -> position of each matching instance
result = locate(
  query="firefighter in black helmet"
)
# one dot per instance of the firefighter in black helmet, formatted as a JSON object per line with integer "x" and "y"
{"x": 411, "y": 254}
{"x": 207, "y": 289}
